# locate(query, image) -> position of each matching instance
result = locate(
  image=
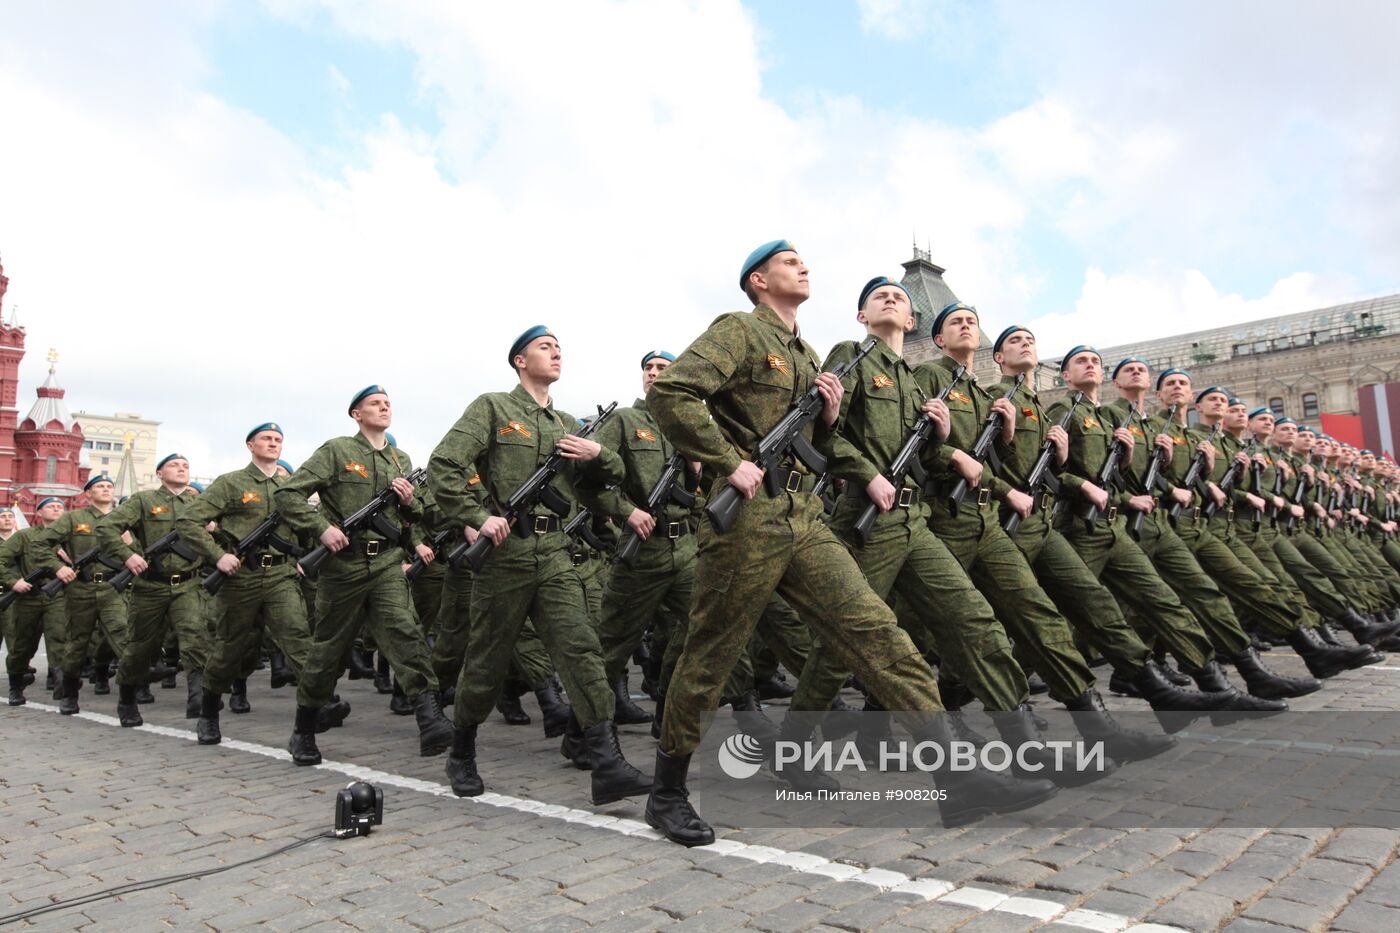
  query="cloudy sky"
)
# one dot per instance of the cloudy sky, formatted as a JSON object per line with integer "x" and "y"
{"x": 227, "y": 212}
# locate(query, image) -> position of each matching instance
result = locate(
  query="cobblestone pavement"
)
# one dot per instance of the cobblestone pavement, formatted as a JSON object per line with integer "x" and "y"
{"x": 85, "y": 806}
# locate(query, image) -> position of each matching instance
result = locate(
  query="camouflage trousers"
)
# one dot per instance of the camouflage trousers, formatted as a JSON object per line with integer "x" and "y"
{"x": 92, "y": 608}
{"x": 1253, "y": 595}
{"x": 1177, "y": 564}
{"x": 34, "y": 615}
{"x": 780, "y": 544}
{"x": 530, "y": 665}
{"x": 655, "y": 591}
{"x": 155, "y": 610}
{"x": 250, "y": 603}
{"x": 1353, "y": 576}
{"x": 1321, "y": 592}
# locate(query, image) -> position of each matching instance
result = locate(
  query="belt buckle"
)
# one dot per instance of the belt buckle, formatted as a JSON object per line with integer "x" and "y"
{"x": 794, "y": 482}
{"x": 673, "y": 530}
{"x": 541, "y": 525}
{"x": 906, "y": 497}
{"x": 1046, "y": 502}
{"x": 266, "y": 561}
{"x": 578, "y": 559}
{"x": 176, "y": 579}
{"x": 1195, "y": 513}
{"x": 1112, "y": 512}
{"x": 1230, "y": 513}
{"x": 99, "y": 577}
{"x": 371, "y": 548}
{"x": 984, "y": 495}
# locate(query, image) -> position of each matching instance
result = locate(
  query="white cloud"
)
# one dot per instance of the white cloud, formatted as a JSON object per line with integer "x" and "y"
{"x": 895, "y": 19}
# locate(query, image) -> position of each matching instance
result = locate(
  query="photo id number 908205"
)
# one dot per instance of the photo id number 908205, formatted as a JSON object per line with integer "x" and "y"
{"x": 916, "y": 793}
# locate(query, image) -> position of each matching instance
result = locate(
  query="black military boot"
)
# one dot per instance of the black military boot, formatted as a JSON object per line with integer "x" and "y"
{"x": 1362, "y": 629}
{"x": 434, "y": 731}
{"x": 798, "y": 727}
{"x": 1175, "y": 707}
{"x": 1018, "y": 730}
{"x": 383, "y": 681}
{"x": 303, "y": 744}
{"x": 282, "y": 675}
{"x": 774, "y": 687}
{"x": 624, "y": 710}
{"x": 554, "y": 710}
{"x": 656, "y": 718}
{"x": 573, "y": 747}
{"x": 72, "y": 683}
{"x": 332, "y": 715}
{"x": 127, "y": 711}
{"x": 972, "y": 794}
{"x": 168, "y": 679}
{"x": 17, "y": 690}
{"x": 1096, "y": 723}
{"x": 510, "y": 709}
{"x": 749, "y": 714}
{"x": 206, "y": 728}
{"x": 1036, "y": 684}
{"x": 238, "y": 698}
{"x": 101, "y": 679}
{"x": 841, "y": 720}
{"x": 1323, "y": 660}
{"x": 1263, "y": 682}
{"x": 144, "y": 694}
{"x": 873, "y": 732}
{"x": 612, "y": 778}
{"x": 668, "y": 807}
{"x": 51, "y": 684}
{"x": 194, "y": 681}
{"x": 1362, "y": 649}
{"x": 361, "y": 664}
{"x": 1209, "y": 677}
{"x": 461, "y": 763}
{"x": 398, "y": 703}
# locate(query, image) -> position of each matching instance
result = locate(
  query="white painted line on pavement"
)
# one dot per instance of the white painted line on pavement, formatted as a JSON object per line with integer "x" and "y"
{"x": 927, "y": 889}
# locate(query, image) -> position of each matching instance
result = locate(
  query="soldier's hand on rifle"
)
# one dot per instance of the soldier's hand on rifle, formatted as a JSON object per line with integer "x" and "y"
{"x": 1261, "y": 460}
{"x": 426, "y": 554}
{"x": 1242, "y": 458}
{"x": 403, "y": 489}
{"x": 1217, "y": 494}
{"x": 228, "y": 564}
{"x": 746, "y": 477}
{"x": 334, "y": 539}
{"x": 1166, "y": 444}
{"x": 66, "y": 574}
{"x": 1207, "y": 448}
{"x": 136, "y": 564}
{"x": 641, "y": 523}
{"x": 1278, "y": 501}
{"x": 1020, "y": 503}
{"x": 1254, "y": 501}
{"x": 1142, "y": 503}
{"x": 1095, "y": 494}
{"x": 1309, "y": 472}
{"x": 937, "y": 411}
{"x": 1182, "y": 495}
{"x": 831, "y": 391}
{"x": 495, "y": 528}
{"x": 22, "y": 586}
{"x": 1126, "y": 436}
{"x": 1008, "y": 419}
{"x": 1297, "y": 510}
{"x": 967, "y": 467}
{"x": 1388, "y": 528}
{"x": 881, "y": 492}
{"x": 1318, "y": 510}
{"x": 572, "y": 447}
{"x": 1060, "y": 438}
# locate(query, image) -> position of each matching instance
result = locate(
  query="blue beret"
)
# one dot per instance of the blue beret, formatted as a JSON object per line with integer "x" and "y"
{"x": 1284, "y": 420}
{"x": 1001, "y": 338}
{"x": 880, "y": 281}
{"x": 95, "y": 479}
{"x": 8, "y": 508}
{"x": 268, "y": 426}
{"x": 46, "y": 500}
{"x": 1233, "y": 400}
{"x": 523, "y": 341}
{"x": 1304, "y": 427}
{"x": 1174, "y": 371}
{"x": 1261, "y": 410}
{"x": 1064, "y": 362}
{"x": 1130, "y": 359}
{"x": 761, "y": 255}
{"x": 390, "y": 438}
{"x": 167, "y": 458}
{"x": 286, "y": 466}
{"x": 364, "y": 393}
{"x": 197, "y": 487}
{"x": 1368, "y": 453}
{"x": 1211, "y": 390}
{"x": 943, "y": 316}
{"x": 657, "y": 354}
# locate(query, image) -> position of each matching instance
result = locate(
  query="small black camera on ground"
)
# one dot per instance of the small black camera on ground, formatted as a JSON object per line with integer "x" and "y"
{"x": 358, "y": 806}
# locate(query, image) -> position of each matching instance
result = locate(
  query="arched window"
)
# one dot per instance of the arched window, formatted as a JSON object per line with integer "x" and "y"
{"x": 1276, "y": 406}
{"x": 1310, "y": 405}
{"x": 51, "y": 470}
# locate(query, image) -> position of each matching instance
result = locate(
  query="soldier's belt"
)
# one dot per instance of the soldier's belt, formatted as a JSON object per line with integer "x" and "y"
{"x": 941, "y": 489}
{"x": 372, "y": 547}
{"x": 169, "y": 579}
{"x": 796, "y": 481}
{"x": 264, "y": 561}
{"x": 907, "y": 498}
{"x": 537, "y": 525}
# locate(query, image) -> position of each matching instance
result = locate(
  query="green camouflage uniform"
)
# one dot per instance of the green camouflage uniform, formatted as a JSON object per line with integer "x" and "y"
{"x": 263, "y": 594}
{"x": 33, "y": 613}
{"x": 92, "y": 605}
{"x": 365, "y": 579}
{"x": 939, "y": 603}
{"x": 715, "y": 403}
{"x": 976, "y": 539}
{"x": 164, "y": 598}
{"x": 506, "y": 436}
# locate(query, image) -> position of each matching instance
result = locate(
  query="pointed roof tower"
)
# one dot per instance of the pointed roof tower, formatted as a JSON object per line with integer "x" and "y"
{"x": 50, "y": 406}
{"x": 125, "y": 482}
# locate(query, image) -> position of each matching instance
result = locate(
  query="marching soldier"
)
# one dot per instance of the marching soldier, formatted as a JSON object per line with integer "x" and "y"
{"x": 363, "y": 578}
{"x": 163, "y": 593}
{"x": 35, "y": 612}
{"x": 503, "y": 437}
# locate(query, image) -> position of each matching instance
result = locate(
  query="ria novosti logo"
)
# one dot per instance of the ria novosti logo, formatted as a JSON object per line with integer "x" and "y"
{"x": 740, "y": 756}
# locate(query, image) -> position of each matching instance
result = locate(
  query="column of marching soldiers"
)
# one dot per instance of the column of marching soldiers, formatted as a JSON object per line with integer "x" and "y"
{"x": 866, "y": 521}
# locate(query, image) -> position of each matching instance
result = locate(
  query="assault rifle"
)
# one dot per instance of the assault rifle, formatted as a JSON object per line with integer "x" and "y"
{"x": 537, "y": 490}
{"x": 1109, "y": 476}
{"x": 581, "y": 527}
{"x": 666, "y": 491}
{"x": 1192, "y": 480}
{"x": 369, "y": 516}
{"x": 981, "y": 450}
{"x": 1256, "y": 472}
{"x": 438, "y": 541}
{"x": 264, "y": 533}
{"x": 1227, "y": 483}
{"x": 1042, "y": 478}
{"x": 1153, "y": 478}
{"x": 85, "y": 559}
{"x": 783, "y": 441}
{"x": 33, "y": 578}
{"x": 168, "y": 543}
{"x": 906, "y": 463}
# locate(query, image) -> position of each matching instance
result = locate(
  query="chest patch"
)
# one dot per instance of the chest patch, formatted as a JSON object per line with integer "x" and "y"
{"x": 1030, "y": 414}
{"x": 82, "y": 528}
{"x": 159, "y": 509}
{"x": 956, "y": 396}
{"x": 644, "y": 435}
{"x": 1137, "y": 431}
{"x": 881, "y": 381}
{"x": 251, "y": 495}
{"x": 1090, "y": 422}
{"x": 355, "y": 466}
{"x": 514, "y": 427}
{"x": 778, "y": 363}
{"x": 476, "y": 478}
